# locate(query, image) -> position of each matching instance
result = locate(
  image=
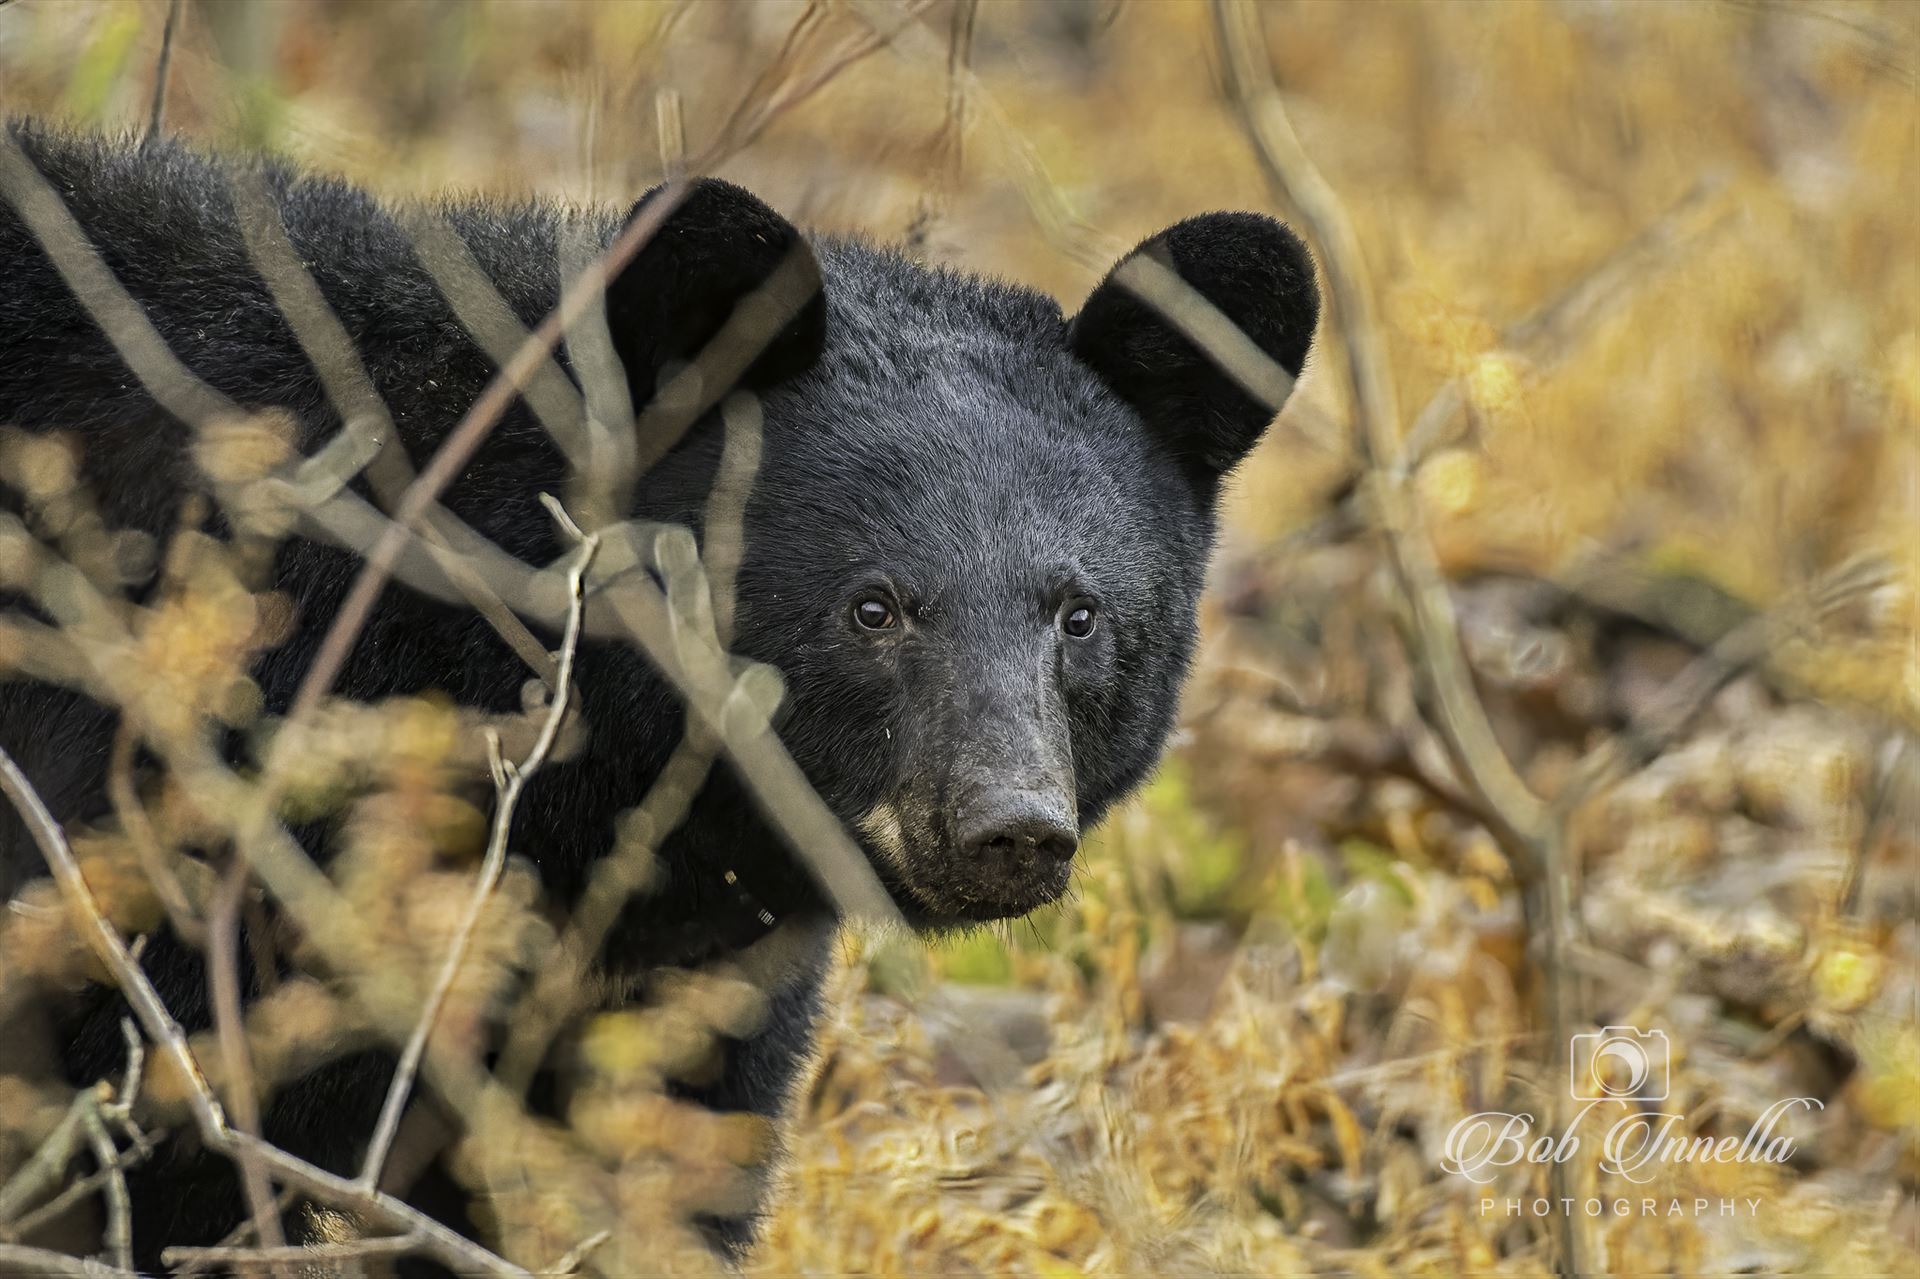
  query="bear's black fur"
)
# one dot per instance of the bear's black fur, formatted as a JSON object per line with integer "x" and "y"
{"x": 974, "y": 551}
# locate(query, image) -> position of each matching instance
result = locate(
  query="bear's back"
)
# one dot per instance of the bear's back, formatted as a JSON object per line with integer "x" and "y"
{"x": 163, "y": 221}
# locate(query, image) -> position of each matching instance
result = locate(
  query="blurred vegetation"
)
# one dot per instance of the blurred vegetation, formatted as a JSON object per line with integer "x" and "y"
{"x": 1294, "y": 961}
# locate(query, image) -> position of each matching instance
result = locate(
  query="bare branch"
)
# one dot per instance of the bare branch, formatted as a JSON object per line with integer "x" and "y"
{"x": 485, "y": 315}
{"x": 447, "y": 561}
{"x": 172, "y": 385}
{"x": 671, "y": 125}
{"x": 953, "y": 124}
{"x": 1693, "y": 689}
{"x": 577, "y": 1255}
{"x": 727, "y": 508}
{"x": 736, "y": 710}
{"x": 236, "y": 1060}
{"x": 310, "y": 1254}
{"x": 133, "y": 820}
{"x": 1545, "y": 333}
{"x": 236, "y": 1237}
{"x": 756, "y": 321}
{"x": 44, "y": 1263}
{"x": 118, "y": 1237}
{"x": 436, "y": 1240}
{"x": 621, "y": 873}
{"x": 76, "y": 1191}
{"x": 1207, "y": 327}
{"x": 512, "y": 780}
{"x": 43, "y": 1170}
{"x": 460, "y": 444}
{"x": 368, "y": 436}
{"x": 449, "y": 1247}
{"x": 106, "y": 942}
{"x": 156, "y": 109}
{"x": 770, "y": 97}
{"x": 599, "y": 492}
{"x": 1463, "y": 720}
{"x": 1522, "y": 824}
{"x": 617, "y": 876}
{"x": 85, "y": 1119}
{"x": 1048, "y": 203}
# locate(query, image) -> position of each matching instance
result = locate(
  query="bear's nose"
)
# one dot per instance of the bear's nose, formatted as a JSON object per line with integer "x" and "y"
{"x": 1018, "y": 826}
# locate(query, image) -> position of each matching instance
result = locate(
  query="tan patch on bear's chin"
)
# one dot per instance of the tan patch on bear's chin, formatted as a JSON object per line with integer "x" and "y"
{"x": 882, "y": 826}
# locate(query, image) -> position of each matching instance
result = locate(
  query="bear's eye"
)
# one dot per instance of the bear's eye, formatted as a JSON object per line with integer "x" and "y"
{"x": 875, "y": 614}
{"x": 1076, "y": 618}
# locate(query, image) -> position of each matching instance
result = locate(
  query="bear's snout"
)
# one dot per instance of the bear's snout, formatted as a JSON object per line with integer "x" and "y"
{"x": 1016, "y": 830}
{"x": 1005, "y": 849}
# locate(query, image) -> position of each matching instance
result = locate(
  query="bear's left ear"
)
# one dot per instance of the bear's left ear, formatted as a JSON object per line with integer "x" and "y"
{"x": 721, "y": 258}
{"x": 1259, "y": 276}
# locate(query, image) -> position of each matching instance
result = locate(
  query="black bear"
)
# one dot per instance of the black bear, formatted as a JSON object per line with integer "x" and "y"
{"x": 974, "y": 548}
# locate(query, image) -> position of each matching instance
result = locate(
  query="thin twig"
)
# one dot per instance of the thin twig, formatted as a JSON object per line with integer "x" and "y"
{"x": 953, "y": 124}
{"x": 146, "y": 844}
{"x": 1544, "y": 334}
{"x": 1689, "y": 693}
{"x": 237, "y": 1236}
{"x": 145, "y": 353}
{"x": 620, "y": 874}
{"x": 44, "y": 1263}
{"x": 947, "y": 150}
{"x": 120, "y": 1109}
{"x": 1515, "y": 816}
{"x": 511, "y": 780}
{"x": 156, "y": 110}
{"x": 309, "y": 898}
{"x": 599, "y": 495}
{"x": 453, "y": 454}
{"x": 75, "y": 1191}
{"x": 368, "y": 435}
{"x": 443, "y": 1244}
{"x": 459, "y": 446}
{"x": 1888, "y": 799}
{"x": 236, "y": 1059}
{"x": 105, "y": 940}
{"x": 736, "y": 708}
{"x": 118, "y": 1237}
{"x": 770, "y": 97}
{"x": 88, "y": 1116}
{"x": 812, "y": 14}
{"x": 671, "y": 127}
{"x": 42, "y": 1171}
{"x": 1207, "y": 327}
{"x": 485, "y": 315}
{"x": 574, "y": 1257}
{"x": 1466, "y": 730}
{"x": 1050, "y": 205}
{"x": 307, "y": 1254}
{"x": 623, "y": 872}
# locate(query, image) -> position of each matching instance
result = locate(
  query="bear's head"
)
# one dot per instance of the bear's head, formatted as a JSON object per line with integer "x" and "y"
{"x": 980, "y": 528}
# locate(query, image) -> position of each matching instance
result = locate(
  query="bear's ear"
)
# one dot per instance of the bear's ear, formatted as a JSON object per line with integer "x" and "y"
{"x": 720, "y": 247}
{"x": 1254, "y": 272}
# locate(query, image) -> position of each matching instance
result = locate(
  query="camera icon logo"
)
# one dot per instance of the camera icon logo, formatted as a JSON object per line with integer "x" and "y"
{"x": 1617, "y": 1062}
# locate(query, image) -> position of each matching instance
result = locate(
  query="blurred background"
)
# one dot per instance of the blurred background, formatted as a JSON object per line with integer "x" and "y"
{"x": 1653, "y": 269}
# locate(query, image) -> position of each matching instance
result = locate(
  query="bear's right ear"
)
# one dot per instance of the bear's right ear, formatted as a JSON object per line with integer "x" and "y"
{"x": 718, "y": 249}
{"x": 1253, "y": 271}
